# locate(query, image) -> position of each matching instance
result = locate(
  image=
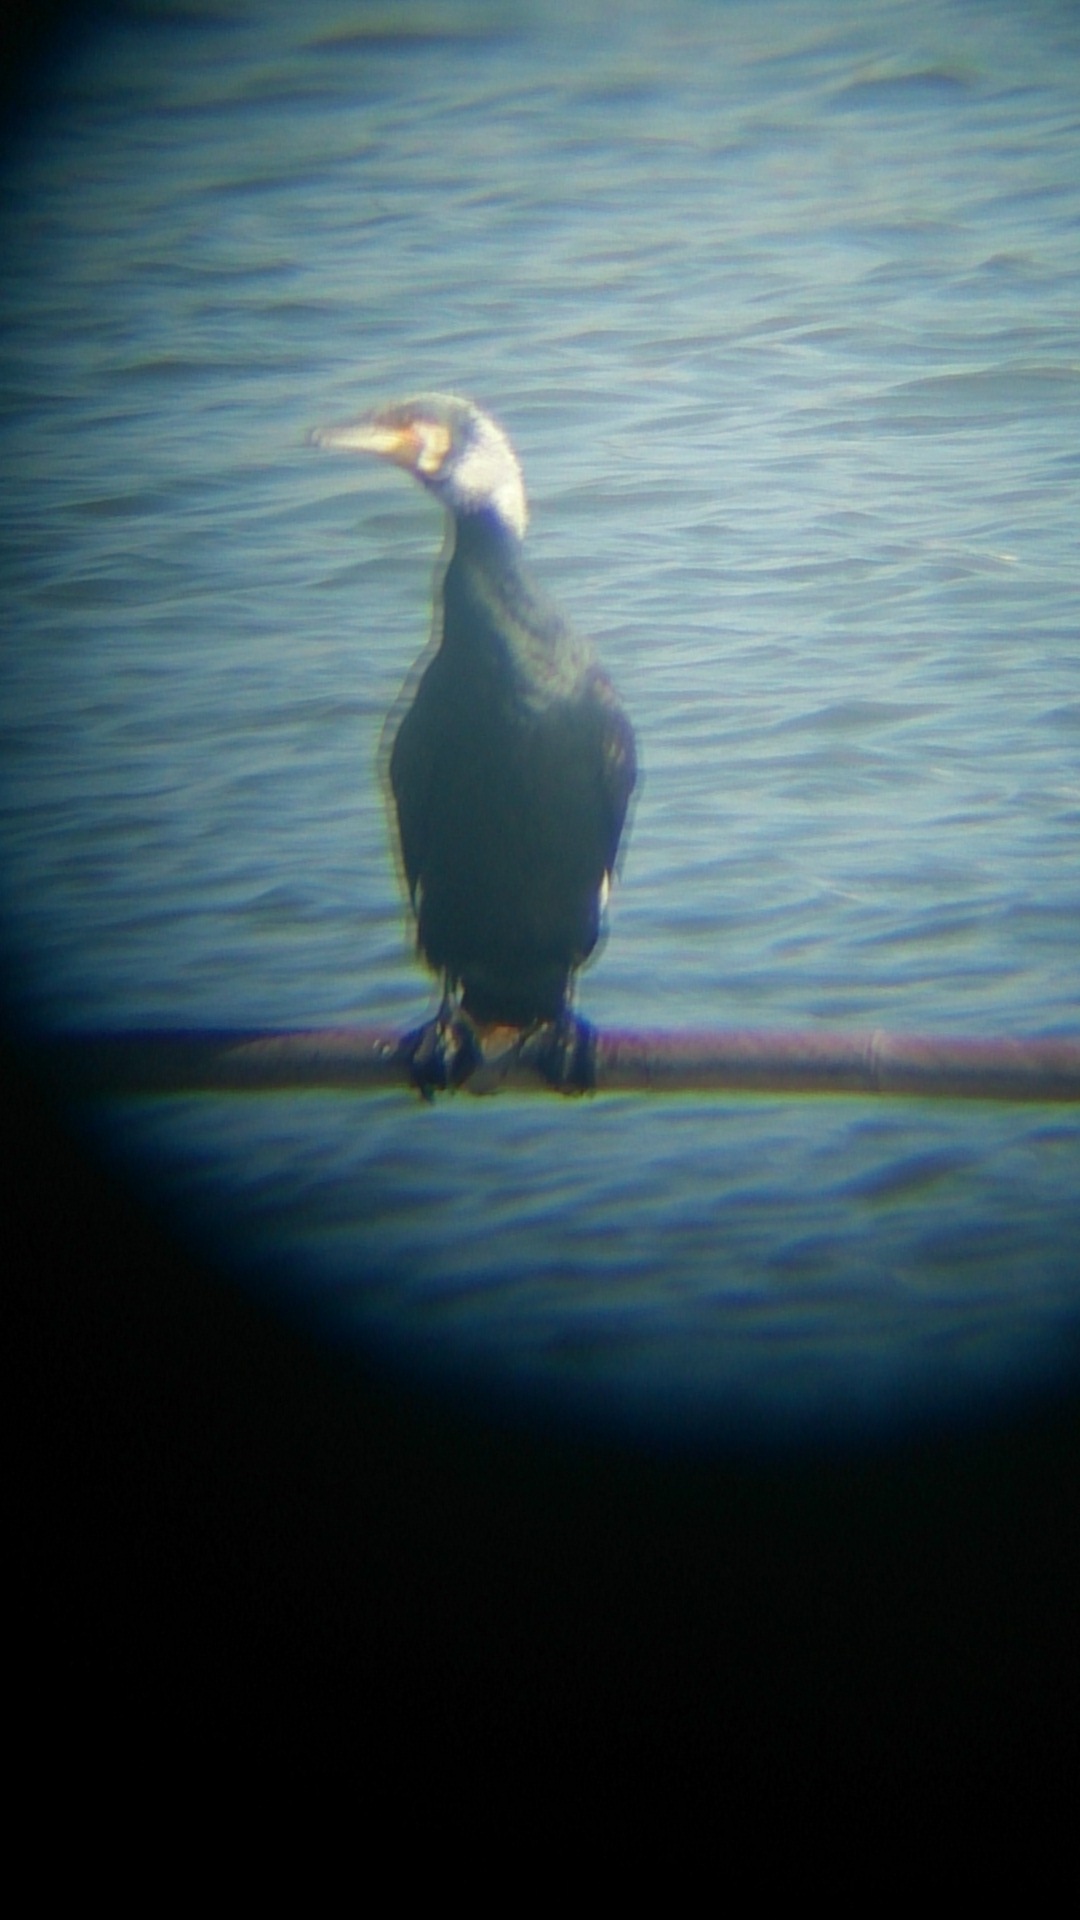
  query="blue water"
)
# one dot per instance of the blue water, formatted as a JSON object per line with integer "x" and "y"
{"x": 779, "y": 304}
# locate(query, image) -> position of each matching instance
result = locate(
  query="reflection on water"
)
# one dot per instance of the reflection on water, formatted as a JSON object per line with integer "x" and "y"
{"x": 783, "y": 323}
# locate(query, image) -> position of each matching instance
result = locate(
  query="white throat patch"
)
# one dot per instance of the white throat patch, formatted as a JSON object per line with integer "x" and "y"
{"x": 487, "y": 473}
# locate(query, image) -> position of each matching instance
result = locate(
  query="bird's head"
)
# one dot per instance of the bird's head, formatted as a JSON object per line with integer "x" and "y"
{"x": 458, "y": 452}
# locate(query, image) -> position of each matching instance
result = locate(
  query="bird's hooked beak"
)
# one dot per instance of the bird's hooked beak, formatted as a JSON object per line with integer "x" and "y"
{"x": 418, "y": 444}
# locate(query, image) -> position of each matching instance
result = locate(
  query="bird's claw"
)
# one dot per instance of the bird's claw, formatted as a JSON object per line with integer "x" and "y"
{"x": 563, "y": 1052}
{"x": 449, "y": 1052}
{"x": 441, "y": 1054}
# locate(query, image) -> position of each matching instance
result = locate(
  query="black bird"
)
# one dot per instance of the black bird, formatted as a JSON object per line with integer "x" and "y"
{"x": 511, "y": 771}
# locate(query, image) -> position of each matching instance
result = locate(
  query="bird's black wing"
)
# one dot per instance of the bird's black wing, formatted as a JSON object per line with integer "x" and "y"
{"x": 412, "y": 767}
{"x": 618, "y": 760}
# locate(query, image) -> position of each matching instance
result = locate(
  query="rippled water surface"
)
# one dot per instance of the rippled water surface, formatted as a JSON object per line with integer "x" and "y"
{"x": 779, "y": 304}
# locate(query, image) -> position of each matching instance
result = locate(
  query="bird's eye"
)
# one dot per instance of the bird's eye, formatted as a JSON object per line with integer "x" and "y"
{"x": 434, "y": 445}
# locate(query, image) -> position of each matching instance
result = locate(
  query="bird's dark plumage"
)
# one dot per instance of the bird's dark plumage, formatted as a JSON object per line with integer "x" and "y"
{"x": 512, "y": 769}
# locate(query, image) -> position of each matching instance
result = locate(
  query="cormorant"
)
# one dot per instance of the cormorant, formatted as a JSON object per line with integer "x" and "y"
{"x": 511, "y": 771}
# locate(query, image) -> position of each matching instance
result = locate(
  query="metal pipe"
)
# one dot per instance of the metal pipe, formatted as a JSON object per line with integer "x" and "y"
{"x": 657, "y": 1061}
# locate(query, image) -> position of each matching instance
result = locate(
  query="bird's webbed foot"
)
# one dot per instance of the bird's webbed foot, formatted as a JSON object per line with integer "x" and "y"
{"x": 563, "y": 1052}
{"x": 442, "y": 1053}
{"x": 451, "y": 1050}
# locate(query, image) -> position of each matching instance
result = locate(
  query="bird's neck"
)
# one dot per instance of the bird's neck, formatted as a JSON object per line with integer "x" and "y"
{"x": 501, "y": 622}
{"x": 487, "y": 597}
{"x": 486, "y": 539}
{"x": 483, "y": 567}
